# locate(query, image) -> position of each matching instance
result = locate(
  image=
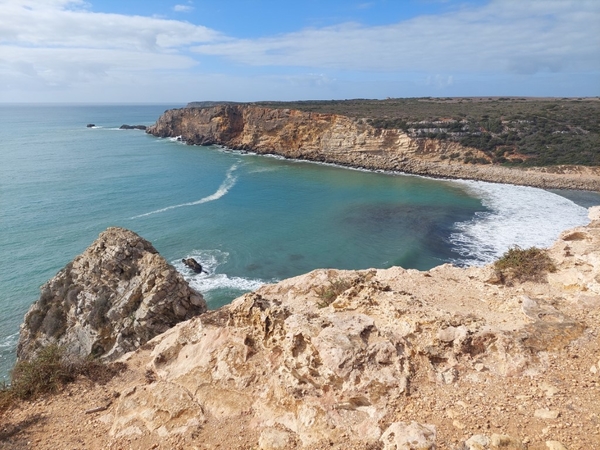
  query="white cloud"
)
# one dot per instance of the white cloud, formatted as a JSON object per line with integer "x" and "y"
{"x": 183, "y": 8}
{"x": 505, "y": 35}
{"x": 54, "y": 23}
{"x": 61, "y": 43}
{"x": 60, "y": 50}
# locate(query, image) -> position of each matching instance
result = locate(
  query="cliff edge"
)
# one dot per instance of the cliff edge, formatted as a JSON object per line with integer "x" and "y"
{"x": 352, "y": 142}
{"x": 111, "y": 299}
{"x": 450, "y": 358}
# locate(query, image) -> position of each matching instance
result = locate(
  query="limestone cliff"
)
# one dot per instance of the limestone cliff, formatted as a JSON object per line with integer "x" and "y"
{"x": 388, "y": 359}
{"x": 351, "y": 142}
{"x": 111, "y": 299}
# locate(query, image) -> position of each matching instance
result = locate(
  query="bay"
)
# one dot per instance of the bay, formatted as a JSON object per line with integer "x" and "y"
{"x": 249, "y": 219}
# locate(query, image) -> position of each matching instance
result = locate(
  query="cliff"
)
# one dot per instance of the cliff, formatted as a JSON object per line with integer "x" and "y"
{"x": 352, "y": 142}
{"x": 111, "y": 299}
{"x": 389, "y": 359}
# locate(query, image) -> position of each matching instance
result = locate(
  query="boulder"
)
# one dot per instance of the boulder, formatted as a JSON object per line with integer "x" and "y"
{"x": 110, "y": 300}
{"x": 193, "y": 264}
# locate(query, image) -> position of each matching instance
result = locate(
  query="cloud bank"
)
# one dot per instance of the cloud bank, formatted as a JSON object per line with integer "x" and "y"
{"x": 63, "y": 45}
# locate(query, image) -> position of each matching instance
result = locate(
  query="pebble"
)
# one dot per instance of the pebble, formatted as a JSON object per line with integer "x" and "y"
{"x": 477, "y": 442}
{"x": 546, "y": 414}
{"x": 458, "y": 424}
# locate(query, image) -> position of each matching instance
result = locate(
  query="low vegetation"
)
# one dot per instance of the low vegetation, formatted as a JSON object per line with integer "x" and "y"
{"x": 49, "y": 371}
{"x": 519, "y": 264}
{"x": 328, "y": 293}
{"x": 511, "y": 131}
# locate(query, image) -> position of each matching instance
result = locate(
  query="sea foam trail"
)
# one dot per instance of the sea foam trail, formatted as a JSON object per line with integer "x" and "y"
{"x": 226, "y": 185}
{"x": 518, "y": 215}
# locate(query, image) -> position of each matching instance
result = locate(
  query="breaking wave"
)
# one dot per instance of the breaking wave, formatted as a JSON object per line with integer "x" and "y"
{"x": 205, "y": 282}
{"x": 517, "y": 215}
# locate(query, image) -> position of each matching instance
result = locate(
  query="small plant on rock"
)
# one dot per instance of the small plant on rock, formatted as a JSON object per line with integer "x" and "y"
{"x": 329, "y": 293}
{"x": 519, "y": 264}
{"x": 49, "y": 370}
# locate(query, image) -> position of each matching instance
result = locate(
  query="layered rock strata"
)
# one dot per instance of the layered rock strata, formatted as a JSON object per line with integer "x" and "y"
{"x": 111, "y": 299}
{"x": 342, "y": 140}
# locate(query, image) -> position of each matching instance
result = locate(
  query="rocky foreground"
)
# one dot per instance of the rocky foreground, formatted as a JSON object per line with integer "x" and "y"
{"x": 450, "y": 358}
{"x": 338, "y": 139}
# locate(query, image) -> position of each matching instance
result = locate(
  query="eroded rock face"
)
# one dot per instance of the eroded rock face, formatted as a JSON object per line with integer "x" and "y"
{"x": 302, "y": 368}
{"x": 111, "y": 299}
{"x": 352, "y": 142}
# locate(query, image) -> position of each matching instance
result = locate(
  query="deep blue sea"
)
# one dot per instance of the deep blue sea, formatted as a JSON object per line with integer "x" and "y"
{"x": 249, "y": 219}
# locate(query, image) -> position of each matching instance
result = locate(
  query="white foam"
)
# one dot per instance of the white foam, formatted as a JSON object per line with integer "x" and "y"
{"x": 224, "y": 188}
{"x": 9, "y": 341}
{"x": 204, "y": 282}
{"x": 519, "y": 215}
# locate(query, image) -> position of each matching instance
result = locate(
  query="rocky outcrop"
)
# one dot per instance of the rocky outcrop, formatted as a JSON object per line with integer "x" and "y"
{"x": 388, "y": 359}
{"x": 111, "y": 299}
{"x": 352, "y": 142}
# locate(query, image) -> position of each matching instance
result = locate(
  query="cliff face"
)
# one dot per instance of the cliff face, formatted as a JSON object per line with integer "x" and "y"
{"x": 111, "y": 299}
{"x": 389, "y": 359}
{"x": 342, "y": 140}
{"x": 352, "y": 357}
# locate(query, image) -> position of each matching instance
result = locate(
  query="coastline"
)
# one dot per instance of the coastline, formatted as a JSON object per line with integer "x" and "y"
{"x": 343, "y": 141}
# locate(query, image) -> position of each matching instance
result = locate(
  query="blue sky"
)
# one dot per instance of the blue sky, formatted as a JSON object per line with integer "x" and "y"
{"x": 179, "y": 51}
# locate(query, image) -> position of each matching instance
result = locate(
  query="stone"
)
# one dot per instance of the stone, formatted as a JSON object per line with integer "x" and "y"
{"x": 116, "y": 296}
{"x": 555, "y": 445}
{"x": 506, "y": 442}
{"x": 275, "y": 439}
{"x": 413, "y": 436}
{"x": 546, "y": 414}
{"x": 477, "y": 442}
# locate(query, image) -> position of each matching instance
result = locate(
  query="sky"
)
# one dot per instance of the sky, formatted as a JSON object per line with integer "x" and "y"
{"x": 151, "y": 51}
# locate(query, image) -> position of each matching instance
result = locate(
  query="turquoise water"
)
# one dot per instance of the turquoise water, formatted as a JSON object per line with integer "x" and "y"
{"x": 249, "y": 219}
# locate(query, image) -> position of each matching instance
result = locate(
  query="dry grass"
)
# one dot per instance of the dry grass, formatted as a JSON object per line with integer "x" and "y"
{"x": 48, "y": 371}
{"x": 329, "y": 293}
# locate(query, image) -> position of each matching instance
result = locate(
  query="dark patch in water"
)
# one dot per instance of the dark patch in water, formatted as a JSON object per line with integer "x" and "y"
{"x": 296, "y": 257}
{"x": 429, "y": 227}
{"x": 253, "y": 267}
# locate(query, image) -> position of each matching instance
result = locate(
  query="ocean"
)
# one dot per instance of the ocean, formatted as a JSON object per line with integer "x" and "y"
{"x": 248, "y": 219}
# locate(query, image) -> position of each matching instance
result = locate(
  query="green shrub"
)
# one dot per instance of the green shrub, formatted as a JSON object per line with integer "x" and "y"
{"x": 530, "y": 264}
{"x": 44, "y": 373}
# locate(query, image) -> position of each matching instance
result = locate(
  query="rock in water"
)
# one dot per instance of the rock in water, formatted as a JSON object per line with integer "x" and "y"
{"x": 193, "y": 264}
{"x": 111, "y": 299}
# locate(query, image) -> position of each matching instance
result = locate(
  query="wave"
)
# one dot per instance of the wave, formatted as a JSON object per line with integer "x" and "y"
{"x": 224, "y": 188}
{"x": 517, "y": 215}
{"x": 205, "y": 282}
{"x": 9, "y": 341}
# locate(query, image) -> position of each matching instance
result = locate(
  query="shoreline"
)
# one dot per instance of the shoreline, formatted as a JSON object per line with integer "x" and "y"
{"x": 504, "y": 175}
{"x": 347, "y": 142}
{"x": 391, "y": 172}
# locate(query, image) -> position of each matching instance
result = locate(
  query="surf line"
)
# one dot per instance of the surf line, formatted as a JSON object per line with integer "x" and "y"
{"x": 226, "y": 185}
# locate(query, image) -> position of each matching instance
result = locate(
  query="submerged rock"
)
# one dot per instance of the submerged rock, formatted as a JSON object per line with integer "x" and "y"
{"x": 111, "y": 299}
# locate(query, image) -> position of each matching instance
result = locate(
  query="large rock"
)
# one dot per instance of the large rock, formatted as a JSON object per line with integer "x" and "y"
{"x": 111, "y": 299}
